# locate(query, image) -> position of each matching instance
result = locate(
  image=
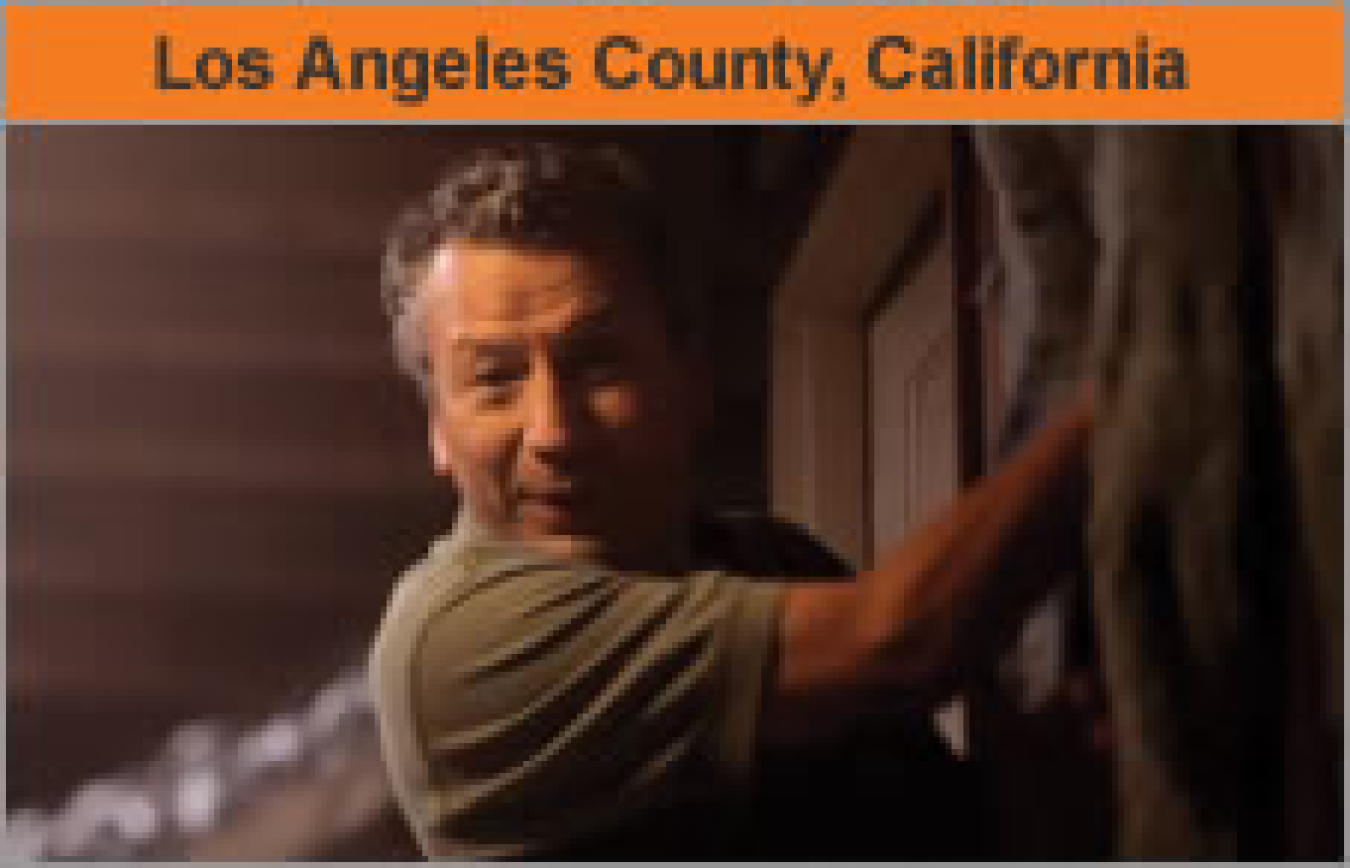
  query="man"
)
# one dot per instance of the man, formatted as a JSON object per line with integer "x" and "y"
{"x": 588, "y": 667}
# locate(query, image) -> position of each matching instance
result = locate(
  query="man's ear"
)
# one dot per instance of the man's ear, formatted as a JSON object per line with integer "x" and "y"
{"x": 440, "y": 448}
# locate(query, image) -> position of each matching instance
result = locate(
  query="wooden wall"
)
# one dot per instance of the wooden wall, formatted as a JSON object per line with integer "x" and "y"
{"x": 213, "y": 476}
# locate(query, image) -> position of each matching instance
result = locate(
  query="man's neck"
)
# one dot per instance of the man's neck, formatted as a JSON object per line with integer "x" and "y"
{"x": 674, "y": 553}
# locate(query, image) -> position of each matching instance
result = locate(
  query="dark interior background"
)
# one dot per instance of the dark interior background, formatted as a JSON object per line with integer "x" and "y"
{"x": 214, "y": 472}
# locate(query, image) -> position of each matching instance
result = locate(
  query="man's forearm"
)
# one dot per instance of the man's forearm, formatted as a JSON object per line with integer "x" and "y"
{"x": 952, "y": 595}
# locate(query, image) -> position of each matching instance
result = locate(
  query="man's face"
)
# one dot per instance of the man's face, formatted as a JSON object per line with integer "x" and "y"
{"x": 558, "y": 404}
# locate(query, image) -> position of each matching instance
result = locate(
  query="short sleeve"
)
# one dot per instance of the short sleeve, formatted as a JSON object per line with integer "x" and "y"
{"x": 554, "y": 703}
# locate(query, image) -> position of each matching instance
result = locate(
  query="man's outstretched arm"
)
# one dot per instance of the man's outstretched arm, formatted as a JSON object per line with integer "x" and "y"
{"x": 949, "y": 597}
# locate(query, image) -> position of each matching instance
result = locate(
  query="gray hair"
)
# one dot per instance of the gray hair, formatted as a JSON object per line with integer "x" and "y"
{"x": 535, "y": 195}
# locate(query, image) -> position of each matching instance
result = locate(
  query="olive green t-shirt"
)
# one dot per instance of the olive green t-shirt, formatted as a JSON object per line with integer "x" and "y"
{"x": 532, "y": 707}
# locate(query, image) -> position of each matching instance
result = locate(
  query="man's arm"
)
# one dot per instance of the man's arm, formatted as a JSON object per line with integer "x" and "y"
{"x": 949, "y": 597}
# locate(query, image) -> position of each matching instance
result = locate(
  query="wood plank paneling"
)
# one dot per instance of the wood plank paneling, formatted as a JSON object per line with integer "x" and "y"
{"x": 213, "y": 472}
{"x": 240, "y": 543}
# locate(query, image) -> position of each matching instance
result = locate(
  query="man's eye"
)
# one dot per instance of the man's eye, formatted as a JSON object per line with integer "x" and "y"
{"x": 493, "y": 375}
{"x": 493, "y": 383}
{"x": 494, "y": 370}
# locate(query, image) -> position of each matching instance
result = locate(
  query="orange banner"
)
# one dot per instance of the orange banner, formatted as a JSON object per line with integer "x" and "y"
{"x": 800, "y": 63}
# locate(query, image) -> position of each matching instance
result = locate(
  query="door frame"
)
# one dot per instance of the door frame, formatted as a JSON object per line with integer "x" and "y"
{"x": 863, "y": 235}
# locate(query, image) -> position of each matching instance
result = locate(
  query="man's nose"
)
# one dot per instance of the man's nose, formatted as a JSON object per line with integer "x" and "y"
{"x": 551, "y": 424}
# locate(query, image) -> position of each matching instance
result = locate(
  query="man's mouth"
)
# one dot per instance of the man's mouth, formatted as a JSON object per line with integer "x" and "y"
{"x": 553, "y": 507}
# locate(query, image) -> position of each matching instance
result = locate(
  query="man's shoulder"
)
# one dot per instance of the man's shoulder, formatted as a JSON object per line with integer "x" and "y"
{"x": 406, "y": 608}
{"x": 453, "y": 569}
{"x": 515, "y": 681}
{"x": 450, "y": 621}
{"x": 429, "y": 573}
{"x": 470, "y": 594}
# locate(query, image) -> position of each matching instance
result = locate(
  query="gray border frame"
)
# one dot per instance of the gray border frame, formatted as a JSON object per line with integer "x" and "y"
{"x": 523, "y": 121}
